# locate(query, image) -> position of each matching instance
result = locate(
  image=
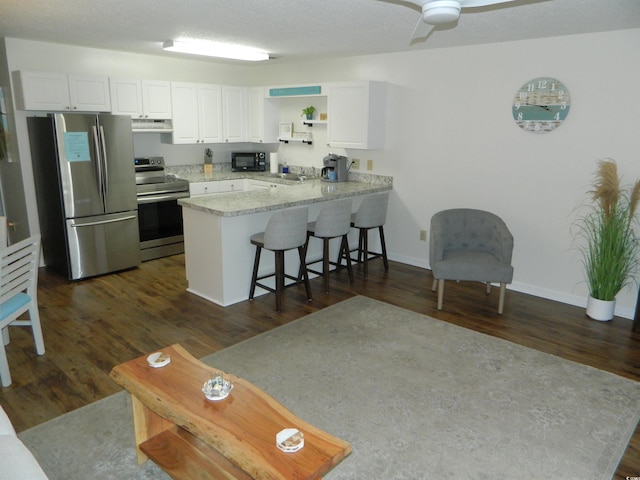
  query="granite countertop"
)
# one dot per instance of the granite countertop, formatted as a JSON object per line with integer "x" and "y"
{"x": 233, "y": 204}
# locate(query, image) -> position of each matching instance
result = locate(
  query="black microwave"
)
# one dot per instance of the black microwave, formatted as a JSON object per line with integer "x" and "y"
{"x": 248, "y": 161}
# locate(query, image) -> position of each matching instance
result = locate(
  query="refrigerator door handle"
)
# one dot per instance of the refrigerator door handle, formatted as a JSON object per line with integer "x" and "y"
{"x": 102, "y": 222}
{"x": 99, "y": 164}
{"x": 104, "y": 163}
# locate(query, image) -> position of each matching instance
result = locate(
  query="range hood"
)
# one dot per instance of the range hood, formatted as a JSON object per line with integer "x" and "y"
{"x": 152, "y": 126}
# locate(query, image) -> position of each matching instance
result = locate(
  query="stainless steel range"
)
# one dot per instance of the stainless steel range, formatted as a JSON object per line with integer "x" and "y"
{"x": 159, "y": 215}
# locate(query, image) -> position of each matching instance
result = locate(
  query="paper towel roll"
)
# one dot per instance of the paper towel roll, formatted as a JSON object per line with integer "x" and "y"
{"x": 273, "y": 162}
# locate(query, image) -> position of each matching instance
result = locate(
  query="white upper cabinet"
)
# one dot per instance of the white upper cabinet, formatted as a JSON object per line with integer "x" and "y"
{"x": 141, "y": 99}
{"x": 55, "y": 92}
{"x": 234, "y": 114}
{"x": 356, "y": 114}
{"x": 197, "y": 113}
{"x": 263, "y": 117}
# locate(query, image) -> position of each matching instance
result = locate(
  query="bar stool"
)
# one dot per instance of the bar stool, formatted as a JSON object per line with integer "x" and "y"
{"x": 334, "y": 220}
{"x": 286, "y": 230}
{"x": 372, "y": 213}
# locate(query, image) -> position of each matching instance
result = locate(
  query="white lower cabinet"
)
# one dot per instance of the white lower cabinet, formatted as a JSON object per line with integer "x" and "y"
{"x": 215, "y": 186}
{"x": 231, "y": 185}
{"x": 203, "y": 188}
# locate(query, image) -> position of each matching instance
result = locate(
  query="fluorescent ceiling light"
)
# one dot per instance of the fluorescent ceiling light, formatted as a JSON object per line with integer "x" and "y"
{"x": 212, "y": 49}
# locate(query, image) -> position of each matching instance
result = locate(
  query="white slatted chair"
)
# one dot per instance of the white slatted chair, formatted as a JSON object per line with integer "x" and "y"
{"x": 18, "y": 295}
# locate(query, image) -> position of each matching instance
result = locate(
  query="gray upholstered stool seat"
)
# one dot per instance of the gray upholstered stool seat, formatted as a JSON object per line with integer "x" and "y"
{"x": 473, "y": 245}
{"x": 286, "y": 230}
{"x": 372, "y": 213}
{"x": 334, "y": 221}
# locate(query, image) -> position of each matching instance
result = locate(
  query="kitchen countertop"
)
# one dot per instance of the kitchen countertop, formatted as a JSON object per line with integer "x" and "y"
{"x": 296, "y": 193}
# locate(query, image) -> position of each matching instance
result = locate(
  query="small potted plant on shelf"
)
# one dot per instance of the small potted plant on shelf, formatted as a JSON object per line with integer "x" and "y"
{"x": 610, "y": 248}
{"x": 308, "y": 112}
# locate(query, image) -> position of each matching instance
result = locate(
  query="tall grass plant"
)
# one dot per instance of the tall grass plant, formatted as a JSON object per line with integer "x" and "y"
{"x": 610, "y": 249}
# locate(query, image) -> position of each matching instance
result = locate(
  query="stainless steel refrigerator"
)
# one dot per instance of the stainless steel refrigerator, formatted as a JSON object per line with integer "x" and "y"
{"x": 85, "y": 185}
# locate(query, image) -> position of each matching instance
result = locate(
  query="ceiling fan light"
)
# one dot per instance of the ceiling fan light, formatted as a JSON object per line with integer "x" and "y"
{"x": 441, "y": 11}
{"x": 213, "y": 49}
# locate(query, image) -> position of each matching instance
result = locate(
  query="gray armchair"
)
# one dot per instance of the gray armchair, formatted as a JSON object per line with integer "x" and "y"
{"x": 472, "y": 245}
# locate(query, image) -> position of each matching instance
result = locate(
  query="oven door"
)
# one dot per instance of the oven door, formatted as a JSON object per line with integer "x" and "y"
{"x": 160, "y": 225}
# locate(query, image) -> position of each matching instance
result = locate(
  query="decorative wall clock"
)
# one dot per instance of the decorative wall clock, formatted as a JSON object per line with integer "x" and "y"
{"x": 541, "y": 105}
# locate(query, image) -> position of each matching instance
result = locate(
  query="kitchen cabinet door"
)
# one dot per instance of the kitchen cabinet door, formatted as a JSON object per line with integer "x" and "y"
{"x": 184, "y": 103}
{"x": 126, "y": 97}
{"x": 141, "y": 99}
{"x": 231, "y": 185}
{"x": 156, "y": 99}
{"x": 204, "y": 188}
{"x": 234, "y": 114}
{"x": 209, "y": 113}
{"x": 89, "y": 94}
{"x": 196, "y": 113}
{"x": 356, "y": 115}
{"x": 59, "y": 92}
{"x": 44, "y": 91}
{"x": 263, "y": 117}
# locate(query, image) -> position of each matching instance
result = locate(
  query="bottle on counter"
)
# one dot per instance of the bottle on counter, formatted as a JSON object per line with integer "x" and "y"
{"x": 285, "y": 167}
{"x": 208, "y": 162}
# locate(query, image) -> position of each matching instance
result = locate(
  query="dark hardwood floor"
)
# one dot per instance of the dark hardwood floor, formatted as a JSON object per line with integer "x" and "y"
{"x": 92, "y": 325}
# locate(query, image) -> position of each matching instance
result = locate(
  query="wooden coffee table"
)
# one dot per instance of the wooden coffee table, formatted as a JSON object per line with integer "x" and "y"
{"x": 191, "y": 437}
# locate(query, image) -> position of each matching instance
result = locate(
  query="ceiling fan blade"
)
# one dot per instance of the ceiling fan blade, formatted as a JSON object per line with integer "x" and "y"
{"x": 423, "y": 38}
{"x": 481, "y": 3}
{"x": 419, "y": 23}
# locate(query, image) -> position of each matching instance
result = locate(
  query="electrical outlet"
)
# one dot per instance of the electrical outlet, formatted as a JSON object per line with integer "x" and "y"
{"x": 423, "y": 235}
{"x": 369, "y": 164}
{"x": 355, "y": 163}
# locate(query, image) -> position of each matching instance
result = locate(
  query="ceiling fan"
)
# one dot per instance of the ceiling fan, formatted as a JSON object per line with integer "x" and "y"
{"x": 440, "y": 13}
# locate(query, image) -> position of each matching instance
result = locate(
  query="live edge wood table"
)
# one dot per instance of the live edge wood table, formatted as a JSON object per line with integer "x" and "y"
{"x": 191, "y": 437}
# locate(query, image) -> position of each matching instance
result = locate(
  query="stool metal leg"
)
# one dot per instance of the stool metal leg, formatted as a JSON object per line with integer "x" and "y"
{"x": 325, "y": 263}
{"x": 254, "y": 277}
{"x": 365, "y": 250}
{"x": 384, "y": 249}
{"x": 344, "y": 251}
{"x": 279, "y": 277}
{"x": 305, "y": 274}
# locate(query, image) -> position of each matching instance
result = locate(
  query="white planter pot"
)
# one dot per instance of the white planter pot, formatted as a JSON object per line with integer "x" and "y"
{"x": 601, "y": 310}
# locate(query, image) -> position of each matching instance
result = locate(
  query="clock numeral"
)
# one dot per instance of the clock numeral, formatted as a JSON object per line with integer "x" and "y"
{"x": 517, "y": 105}
{"x": 556, "y": 116}
{"x": 542, "y": 84}
{"x": 520, "y": 117}
{"x": 523, "y": 96}
{"x": 561, "y": 93}
{"x": 531, "y": 87}
{"x": 563, "y": 106}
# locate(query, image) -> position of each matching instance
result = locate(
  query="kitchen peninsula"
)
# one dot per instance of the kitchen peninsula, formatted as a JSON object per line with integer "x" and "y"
{"x": 217, "y": 227}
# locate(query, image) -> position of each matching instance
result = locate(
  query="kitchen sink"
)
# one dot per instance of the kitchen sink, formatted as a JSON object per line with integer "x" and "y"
{"x": 291, "y": 176}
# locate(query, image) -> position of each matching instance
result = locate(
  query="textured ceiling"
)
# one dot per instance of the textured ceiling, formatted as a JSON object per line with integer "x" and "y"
{"x": 292, "y": 30}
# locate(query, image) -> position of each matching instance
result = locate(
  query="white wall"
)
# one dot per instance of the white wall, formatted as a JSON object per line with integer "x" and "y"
{"x": 451, "y": 140}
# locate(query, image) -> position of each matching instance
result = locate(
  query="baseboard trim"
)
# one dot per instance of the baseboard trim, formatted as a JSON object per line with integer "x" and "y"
{"x": 575, "y": 300}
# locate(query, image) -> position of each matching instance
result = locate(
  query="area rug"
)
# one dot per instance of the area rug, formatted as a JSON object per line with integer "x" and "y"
{"x": 416, "y": 397}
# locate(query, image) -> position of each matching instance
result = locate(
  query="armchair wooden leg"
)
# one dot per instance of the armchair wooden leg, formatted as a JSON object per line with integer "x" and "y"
{"x": 434, "y": 284}
{"x": 488, "y": 288}
{"x": 503, "y": 288}
{"x": 440, "y": 293}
